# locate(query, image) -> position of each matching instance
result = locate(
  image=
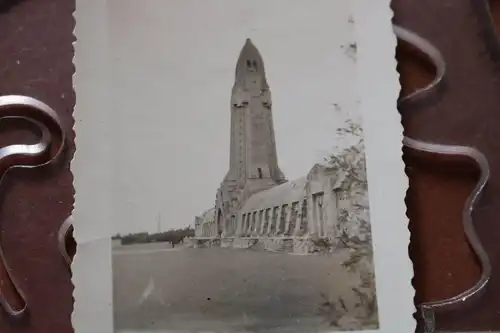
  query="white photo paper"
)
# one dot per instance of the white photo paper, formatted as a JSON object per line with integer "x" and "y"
{"x": 238, "y": 168}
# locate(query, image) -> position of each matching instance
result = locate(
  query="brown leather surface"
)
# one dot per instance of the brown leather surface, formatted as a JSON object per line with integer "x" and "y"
{"x": 36, "y": 59}
{"x": 452, "y": 268}
{"x": 465, "y": 114}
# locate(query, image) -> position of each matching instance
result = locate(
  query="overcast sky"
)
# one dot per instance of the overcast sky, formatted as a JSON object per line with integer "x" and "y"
{"x": 171, "y": 72}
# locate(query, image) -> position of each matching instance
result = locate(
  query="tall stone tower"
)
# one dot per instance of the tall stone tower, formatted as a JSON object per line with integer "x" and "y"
{"x": 253, "y": 165}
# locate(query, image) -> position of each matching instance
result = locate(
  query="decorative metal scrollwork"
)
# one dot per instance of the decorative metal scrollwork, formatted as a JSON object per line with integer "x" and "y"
{"x": 48, "y": 149}
{"x": 65, "y": 232}
{"x": 428, "y": 309}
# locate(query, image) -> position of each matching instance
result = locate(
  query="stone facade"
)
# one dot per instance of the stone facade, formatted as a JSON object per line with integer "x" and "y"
{"x": 204, "y": 225}
{"x": 255, "y": 206}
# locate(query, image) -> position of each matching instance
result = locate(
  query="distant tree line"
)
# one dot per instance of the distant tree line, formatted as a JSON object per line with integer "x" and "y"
{"x": 173, "y": 236}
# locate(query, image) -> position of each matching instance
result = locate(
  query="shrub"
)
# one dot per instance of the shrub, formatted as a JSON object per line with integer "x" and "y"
{"x": 354, "y": 233}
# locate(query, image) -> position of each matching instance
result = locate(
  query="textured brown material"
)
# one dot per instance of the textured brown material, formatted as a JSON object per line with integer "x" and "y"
{"x": 36, "y": 55}
{"x": 36, "y": 60}
{"x": 443, "y": 262}
{"x": 466, "y": 114}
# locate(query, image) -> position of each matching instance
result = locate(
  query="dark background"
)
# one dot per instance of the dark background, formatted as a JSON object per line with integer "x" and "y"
{"x": 464, "y": 112}
{"x": 36, "y": 54}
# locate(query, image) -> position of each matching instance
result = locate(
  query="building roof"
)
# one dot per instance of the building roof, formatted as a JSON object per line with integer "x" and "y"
{"x": 286, "y": 193}
{"x": 208, "y": 215}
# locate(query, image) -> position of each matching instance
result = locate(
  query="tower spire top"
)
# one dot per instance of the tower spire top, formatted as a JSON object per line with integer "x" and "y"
{"x": 250, "y": 60}
{"x": 249, "y": 52}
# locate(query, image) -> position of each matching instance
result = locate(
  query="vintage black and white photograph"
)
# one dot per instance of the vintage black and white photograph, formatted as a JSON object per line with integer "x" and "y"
{"x": 238, "y": 188}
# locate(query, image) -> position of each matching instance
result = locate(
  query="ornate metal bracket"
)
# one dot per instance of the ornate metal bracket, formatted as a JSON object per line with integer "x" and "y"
{"x": 43, "y": 153}
{"x": 65, "y": 232}
{"x": 428, "y": 309}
